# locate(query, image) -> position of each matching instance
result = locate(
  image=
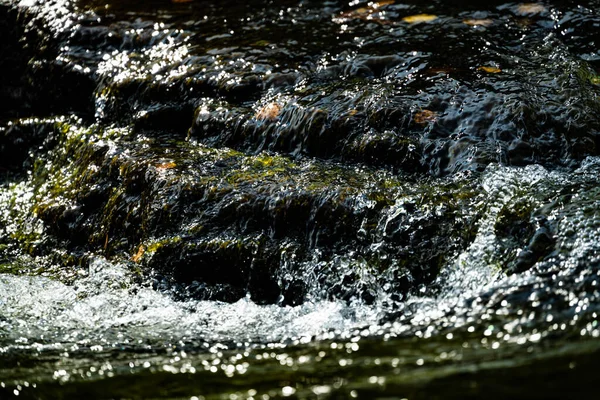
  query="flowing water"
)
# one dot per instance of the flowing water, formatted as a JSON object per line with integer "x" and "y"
{"x": 299, "y": 199}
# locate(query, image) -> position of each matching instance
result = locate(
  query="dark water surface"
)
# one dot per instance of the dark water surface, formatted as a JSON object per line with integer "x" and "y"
{"x": 299, "y": 199}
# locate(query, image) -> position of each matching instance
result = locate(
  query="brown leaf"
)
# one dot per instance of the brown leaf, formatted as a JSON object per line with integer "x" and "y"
{"x": 382, "y": 3}
{"x": 530, "y": 8}
{"x": 489, "y": 70}
{"x": 439, "y": 70}
{"x": 270, "y": 112}
{"x": 166, "y": 165}
{"x": 424, "y": 117}
{"x": 359, "y": 13}
{"x": 140, "y": 252}
{"x": 416, "y": 19}
{"x": 478, "y": 22}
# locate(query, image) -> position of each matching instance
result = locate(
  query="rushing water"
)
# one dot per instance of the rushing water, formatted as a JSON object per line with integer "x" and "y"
{"x": 299, "y": 199}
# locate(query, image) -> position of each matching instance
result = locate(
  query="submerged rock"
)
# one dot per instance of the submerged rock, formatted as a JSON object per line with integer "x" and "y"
{"x": 359, "y": 98}
{"x": 278, "y": 229}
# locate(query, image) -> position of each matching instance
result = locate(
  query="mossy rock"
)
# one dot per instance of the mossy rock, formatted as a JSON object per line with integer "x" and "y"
{"x": 123, "y": 192}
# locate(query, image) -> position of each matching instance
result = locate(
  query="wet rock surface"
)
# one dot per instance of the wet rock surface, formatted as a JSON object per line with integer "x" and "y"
{"x": 232, "y": 178}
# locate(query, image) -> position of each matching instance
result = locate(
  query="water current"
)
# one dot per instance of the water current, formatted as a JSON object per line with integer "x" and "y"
{"x": 303, "y": 199}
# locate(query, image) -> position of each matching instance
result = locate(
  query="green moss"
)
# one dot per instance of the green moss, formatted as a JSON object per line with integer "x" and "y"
{"x": 195, "y": 229}
{"x": 68, "y": 165}
{"x": 154, "y": 246}
{"x": 260, "y": 167}
{"x": 11, "y": 268}
{"x": 585, "y": 73}
{"x": 382, "y": 198}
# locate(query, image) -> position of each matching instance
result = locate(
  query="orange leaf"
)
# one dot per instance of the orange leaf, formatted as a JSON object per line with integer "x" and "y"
{"x": 140, "y": 252}
{"x": 489, "y": 70}
{"x": 166, "y": 165}
{"x": 270, "y": 112}
{"x": 415, "y": 19}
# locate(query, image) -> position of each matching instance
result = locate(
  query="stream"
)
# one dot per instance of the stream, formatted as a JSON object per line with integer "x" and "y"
{"x": 299, "y": 199}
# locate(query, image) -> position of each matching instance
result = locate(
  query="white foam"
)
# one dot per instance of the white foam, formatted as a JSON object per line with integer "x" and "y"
{"x": 105, "y": 307}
